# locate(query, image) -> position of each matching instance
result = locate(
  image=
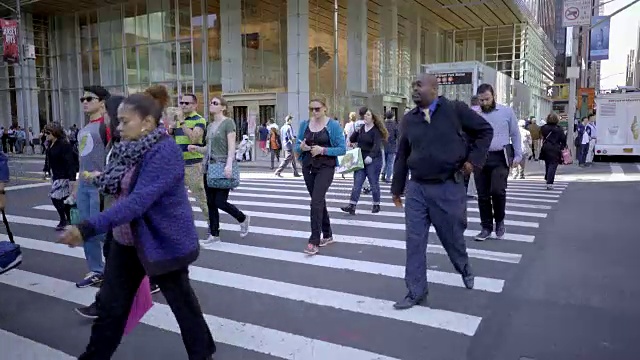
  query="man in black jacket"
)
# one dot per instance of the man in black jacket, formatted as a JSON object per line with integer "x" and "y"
{"x": 437, "y": 155}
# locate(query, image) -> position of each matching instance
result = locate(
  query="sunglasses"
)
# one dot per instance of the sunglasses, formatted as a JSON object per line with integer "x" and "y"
{"x": 315, "y": 109}
{"x": 47, "y": 133}
{"x": 87, "y": 99}
{"x": 185, "y": 103}
{"x": 216, "y": 103}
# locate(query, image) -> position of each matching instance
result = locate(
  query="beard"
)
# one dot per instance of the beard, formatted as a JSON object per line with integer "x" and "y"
{"x": 488, "y": 108}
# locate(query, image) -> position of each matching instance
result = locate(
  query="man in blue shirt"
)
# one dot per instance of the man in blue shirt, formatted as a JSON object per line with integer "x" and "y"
{"x": 491, "y": 182}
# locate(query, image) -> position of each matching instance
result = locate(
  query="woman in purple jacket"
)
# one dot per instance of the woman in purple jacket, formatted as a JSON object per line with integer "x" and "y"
{"x": 153, "y": 230}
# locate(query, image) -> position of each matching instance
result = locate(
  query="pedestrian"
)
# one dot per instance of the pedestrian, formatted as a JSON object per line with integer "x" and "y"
{"x": 320, "y": 142}
{"x": 526, "y": 146}
{"x": 59, "y": 162}
{"x": 92, "y": 143}
{"x": 435, "y": 194}
{"x": 390, "y": 146}
{"x": 369, "y": 138}
{"x": 288, "y": 140}
{"x": 554, "y": 141}
{"x": 274, "y": 144}
{"x": 505, "y": 150}
{"x": 591, "y": 131}
{"x": 146, "y": 173}
{"x": 221, "y": 147}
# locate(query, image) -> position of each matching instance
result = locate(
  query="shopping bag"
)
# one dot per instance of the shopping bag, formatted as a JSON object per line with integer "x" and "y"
{"x": 350, "y": 161}
{"x": 75, "y": 215}
{"x": 10, "y": 252}
{"x": 566, "y": 157}
{"x": 142, "y": 303}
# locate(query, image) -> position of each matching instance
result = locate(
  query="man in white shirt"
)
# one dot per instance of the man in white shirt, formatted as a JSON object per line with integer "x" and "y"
{"x": 591, "y": 130}
{"x": 288, "y": 138}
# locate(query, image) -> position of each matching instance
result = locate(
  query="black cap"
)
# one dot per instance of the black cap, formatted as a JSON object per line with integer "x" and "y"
{"x": 102, "y": 93}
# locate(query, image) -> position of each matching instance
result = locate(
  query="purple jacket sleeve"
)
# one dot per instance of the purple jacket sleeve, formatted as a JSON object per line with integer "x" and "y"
{"x": 161, "y": 170}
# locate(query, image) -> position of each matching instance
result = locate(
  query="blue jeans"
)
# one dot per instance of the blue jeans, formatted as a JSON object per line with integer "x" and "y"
{"x": 371, "y": 172}
{"x": 389, "y": 159}
{"x": 443, "y": 206}
{"x": 88, "y": 203}
{"x": 582, "y": 155}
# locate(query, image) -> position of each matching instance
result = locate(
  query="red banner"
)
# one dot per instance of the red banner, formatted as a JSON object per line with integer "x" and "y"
{"x": 10, "y": 40}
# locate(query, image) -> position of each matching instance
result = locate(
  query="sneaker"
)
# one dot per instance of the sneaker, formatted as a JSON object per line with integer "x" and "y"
{"x": 91, "y": 279}
{"x": 155, "y": 289}
{"x": 500, "y": 230}
{"x": 375, "y": 209}
{"x": 483, "y": 235}
{"x": 89, "y": 312}
{"x": 10, "y": 256}
{"x": 311, "y": 249}
{"x": 61, "y": 226}
{"x": 326, "y": 241}
{"x": 209, "y": 241}
{"x": 549, "y": 187}
{"x": 349, "y": 209}
{"x": 244, "y": 226}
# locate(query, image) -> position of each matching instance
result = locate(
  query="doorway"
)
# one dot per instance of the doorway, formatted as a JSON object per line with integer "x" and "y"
{"x": 267, "y": 112}
{"x": 242, "y": 124}
{"x": 393, "y": 109}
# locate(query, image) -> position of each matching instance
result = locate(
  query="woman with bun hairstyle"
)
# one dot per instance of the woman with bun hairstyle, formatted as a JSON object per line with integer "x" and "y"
{"x": 320, "y": 141}
{"x": 60, "y": 163}
{"x": 146, "y": 174}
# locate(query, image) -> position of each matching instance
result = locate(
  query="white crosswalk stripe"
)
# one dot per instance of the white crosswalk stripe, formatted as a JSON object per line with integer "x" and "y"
{"x": 351, "y": 284}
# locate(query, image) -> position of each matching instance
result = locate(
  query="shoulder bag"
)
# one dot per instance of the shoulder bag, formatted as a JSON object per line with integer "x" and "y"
{"x": 215, "y": 171}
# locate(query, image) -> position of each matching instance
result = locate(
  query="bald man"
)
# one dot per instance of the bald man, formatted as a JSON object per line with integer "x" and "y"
{"x": 438, "y": 157}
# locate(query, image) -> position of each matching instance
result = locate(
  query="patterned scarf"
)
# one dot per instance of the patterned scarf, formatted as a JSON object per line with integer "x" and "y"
{"x": 124, "y": 156}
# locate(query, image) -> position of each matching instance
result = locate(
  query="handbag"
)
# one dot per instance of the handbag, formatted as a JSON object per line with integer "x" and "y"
{"x": 215, "y": 174}
{"x": 142, "y": 303}
{"x": 351, "y": 161}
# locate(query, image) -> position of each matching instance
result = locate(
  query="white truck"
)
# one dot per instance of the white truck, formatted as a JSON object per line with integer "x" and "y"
{"x": 618, "y": 124}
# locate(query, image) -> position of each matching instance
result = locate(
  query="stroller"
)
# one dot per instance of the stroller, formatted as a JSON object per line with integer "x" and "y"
{"x": 10, "y": 253}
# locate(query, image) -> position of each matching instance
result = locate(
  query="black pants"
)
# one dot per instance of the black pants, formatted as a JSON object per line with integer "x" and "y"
{"x": 218, "y": 199}
{"x": 550, "y": 171}
{"x": 318, "y": 182}
{"x": 491, "y": 183}
{"x": 64, "y": 210}
{"x": 122, "y": 277}
{"x": 275, "y": 155}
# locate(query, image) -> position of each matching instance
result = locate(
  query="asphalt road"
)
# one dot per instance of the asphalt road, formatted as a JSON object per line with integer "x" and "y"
{"x": 559, "y": 286}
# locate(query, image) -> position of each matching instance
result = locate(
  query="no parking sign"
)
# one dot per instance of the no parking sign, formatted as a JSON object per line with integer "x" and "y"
{"x": 576, "y": 13}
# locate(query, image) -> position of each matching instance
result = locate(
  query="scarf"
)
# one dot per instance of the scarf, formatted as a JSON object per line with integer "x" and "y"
{"x": 124, "y": 156}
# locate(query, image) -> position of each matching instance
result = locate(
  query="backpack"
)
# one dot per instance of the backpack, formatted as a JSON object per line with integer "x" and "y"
{"x": 578, "y": 140}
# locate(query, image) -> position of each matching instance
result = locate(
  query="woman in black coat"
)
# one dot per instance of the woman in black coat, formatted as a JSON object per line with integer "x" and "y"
{"x": 554, "y": 141}
{"x": 60, "y": 163}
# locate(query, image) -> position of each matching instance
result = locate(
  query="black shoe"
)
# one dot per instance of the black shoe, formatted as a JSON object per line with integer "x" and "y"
{"x": 61, "y": 225}
{"x": 500, "y": 230}
{"x": 349, "y": 209}
{"x": 468, "y": 281}
{"x": 408, "y": 302}
{"x": 154, "y": 288}
{"x": 366, "y": 191}
{"x": 375, "y": 209}
{"x": 89, "y": 312}
{"x": 296, "y": 175}
{"x": 483, "y": 235}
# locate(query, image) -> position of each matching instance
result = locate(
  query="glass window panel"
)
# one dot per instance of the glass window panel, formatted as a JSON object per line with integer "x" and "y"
{"x": 184, "y": 17}
{"x": 129, "y": 24}
{"x": 186, "y": 68}
{"x": 116, "y": 26}
{"x": 93, "y": 29}
{"x": 104, "y": 27}
{"x": 132, "y": 65}
{"x": 95, "y": 67}
{"x": 214, "y": 67}
{"x": 163, "y": 64}
{"x": 143, "y": 63}
{"x": 86, "y": 68}
{"x": 85, "y": 32}
{"x": 197, "y": 25}
{"x": 162, "y": 17}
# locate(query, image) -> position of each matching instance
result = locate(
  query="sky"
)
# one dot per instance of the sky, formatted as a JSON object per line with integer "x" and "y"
{"x": 623, "y": 37}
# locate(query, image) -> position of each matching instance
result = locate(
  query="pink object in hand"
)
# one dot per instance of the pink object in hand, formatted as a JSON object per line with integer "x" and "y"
{"x": 566, "y": 157}
{"x": 142, "y": 302}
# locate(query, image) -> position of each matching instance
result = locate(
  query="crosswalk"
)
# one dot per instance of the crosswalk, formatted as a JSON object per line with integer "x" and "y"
{"x": 264, "y": 299}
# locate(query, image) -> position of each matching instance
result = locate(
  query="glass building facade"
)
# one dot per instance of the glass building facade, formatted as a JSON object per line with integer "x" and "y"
{"x": 267, "y": 57}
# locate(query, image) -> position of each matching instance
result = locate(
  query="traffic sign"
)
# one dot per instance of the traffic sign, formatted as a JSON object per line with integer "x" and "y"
{"x": 576, "y": 13}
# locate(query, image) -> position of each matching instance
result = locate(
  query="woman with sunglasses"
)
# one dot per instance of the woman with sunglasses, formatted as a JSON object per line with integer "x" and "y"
{"x": 60, "y": 163}
{"x": 320, "y": 142}
{"x": 221, "y": 146}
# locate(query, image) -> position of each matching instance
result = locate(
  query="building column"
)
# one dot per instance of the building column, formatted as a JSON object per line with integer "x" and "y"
{"x": 389, "y": 25}
{"x": 416, "y": 46}
{"x": 231, "y": 46}
{"x": 25, "y": 79}
{"x": 298, "y": 59}
{"x": 357, "y": 45}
